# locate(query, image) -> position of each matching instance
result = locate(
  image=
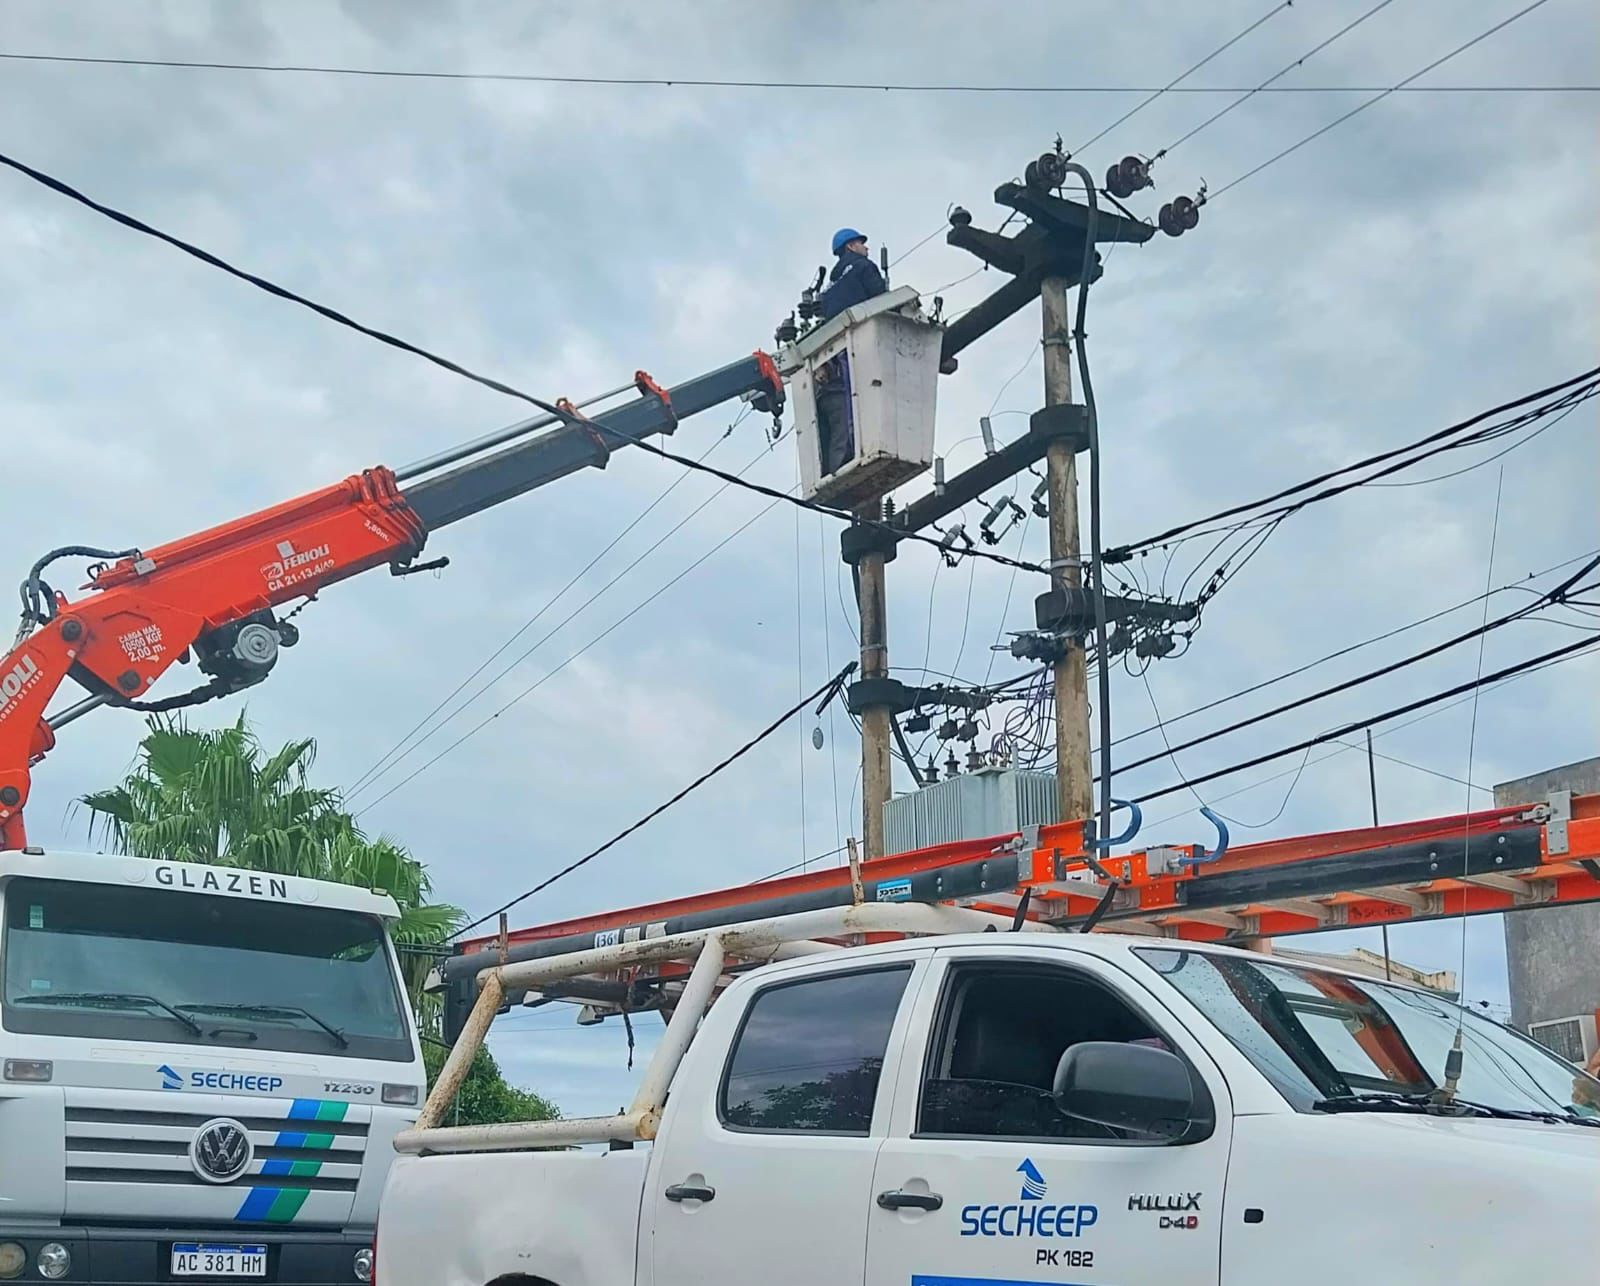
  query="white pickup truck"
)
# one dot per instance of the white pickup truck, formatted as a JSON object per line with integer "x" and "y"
{"x": 998, "y": 1109}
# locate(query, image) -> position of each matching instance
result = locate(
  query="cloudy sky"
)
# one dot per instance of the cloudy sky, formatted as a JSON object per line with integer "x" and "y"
{"x": 1432, "y": 257}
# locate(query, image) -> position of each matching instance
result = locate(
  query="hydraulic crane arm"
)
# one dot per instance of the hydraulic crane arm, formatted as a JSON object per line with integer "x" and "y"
{"x": 210, "y": 596}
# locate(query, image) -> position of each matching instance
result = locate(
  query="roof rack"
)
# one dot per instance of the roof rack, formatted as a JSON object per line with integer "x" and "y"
{"x": 1500, "y": 859}
{"x": 713, "y": 952}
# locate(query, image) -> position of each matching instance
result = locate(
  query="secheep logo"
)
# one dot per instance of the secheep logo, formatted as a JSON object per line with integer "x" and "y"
{"x": 202, "y": 1079}
{"x": 1031, "y": 1215}
{"x": 1033, "y": 1185}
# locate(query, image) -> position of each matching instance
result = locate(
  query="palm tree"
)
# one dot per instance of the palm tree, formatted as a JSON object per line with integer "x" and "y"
{"x": 216, "y": 796}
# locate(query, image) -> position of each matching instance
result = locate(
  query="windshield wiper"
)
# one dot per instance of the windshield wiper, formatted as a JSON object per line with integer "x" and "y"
{"x": 273, "y": 1011}
{"x": 111, "y": 1000}
{"x": 1428, "y": 1105}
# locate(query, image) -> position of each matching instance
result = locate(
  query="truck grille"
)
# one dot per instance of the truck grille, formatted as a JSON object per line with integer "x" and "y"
{"x": 305, "y": 1165}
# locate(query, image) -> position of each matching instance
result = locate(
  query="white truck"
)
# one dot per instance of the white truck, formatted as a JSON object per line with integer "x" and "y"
{"x": 994, "y": 1109}
{"x": 203, "y": 1072}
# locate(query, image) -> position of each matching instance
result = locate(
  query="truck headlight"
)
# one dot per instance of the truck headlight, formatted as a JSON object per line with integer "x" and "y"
{"x": 54, "y": 1261}
{"x": 13, "y": 1259}
{"x": 363, "y": 1264}
{"x": 404, "y": 1095}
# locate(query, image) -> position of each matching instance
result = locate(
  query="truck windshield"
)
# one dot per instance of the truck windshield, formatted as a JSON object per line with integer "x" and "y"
{"x": 1326, "y": 1039}
{"x": 119, "y": 963}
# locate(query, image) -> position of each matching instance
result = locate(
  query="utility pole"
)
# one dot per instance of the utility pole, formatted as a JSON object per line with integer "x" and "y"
{"x": 876, "y": 761}
{"x": 1074, "y": 774}
{"x": 1044, "y": 260}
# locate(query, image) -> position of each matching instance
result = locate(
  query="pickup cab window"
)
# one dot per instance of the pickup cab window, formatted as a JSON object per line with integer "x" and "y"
{"x": 1000, "y": 1032}
{"x": 809, "y": 1054}
{"x": 1331, "y": 1042}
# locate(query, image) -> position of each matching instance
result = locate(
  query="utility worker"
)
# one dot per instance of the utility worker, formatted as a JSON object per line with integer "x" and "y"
{"x": 854, "y": 279}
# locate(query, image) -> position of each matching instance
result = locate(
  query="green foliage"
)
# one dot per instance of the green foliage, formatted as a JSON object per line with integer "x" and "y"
{"x": 486, "y": 1098}
{"x": 216, "y": 796}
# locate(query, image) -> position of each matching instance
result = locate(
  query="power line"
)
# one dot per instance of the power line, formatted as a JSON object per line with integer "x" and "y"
{"x": 561, "y": 625}
{"x": 486, "y": 721}
{"x": 1265, "y": 85}
{"x": 1566, "y": 387}
{"x": 1399, "y": 727}
{"x": 910, "y": 87}
{"x": 522, "y": 629}
{"x": 1376, "y": 98}
{"x": 445, "y": 363}
{"x": 825, "y": 693}
{"x": 799, "y": 866}
{"x": 1504, "y": 451}
{"x": 1345, "y": 651}
{"x": 1173, "y": 84}
{"x": 1393, "y": 713}
{"x": 1480, "y": 633}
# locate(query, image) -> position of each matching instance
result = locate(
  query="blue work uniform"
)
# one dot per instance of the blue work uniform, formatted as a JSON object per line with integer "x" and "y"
{"x": 854, "y": 279}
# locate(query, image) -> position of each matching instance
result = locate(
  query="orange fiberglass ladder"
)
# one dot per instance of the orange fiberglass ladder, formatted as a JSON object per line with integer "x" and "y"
{"x": 1501, "y": 859}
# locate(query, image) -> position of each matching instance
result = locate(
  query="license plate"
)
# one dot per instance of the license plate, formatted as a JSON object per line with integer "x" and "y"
{"x": 206, "y": 1259}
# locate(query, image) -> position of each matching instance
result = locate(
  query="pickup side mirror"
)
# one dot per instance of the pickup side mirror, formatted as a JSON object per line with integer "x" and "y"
{"x": 1130, "y": 1087}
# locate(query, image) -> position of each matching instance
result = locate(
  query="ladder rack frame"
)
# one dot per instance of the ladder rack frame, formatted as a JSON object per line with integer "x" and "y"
{"x": 757, "y": 941}
{"x": 1501, "y": 859}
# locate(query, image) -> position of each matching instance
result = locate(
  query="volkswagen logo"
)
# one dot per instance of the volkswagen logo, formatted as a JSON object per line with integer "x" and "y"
{"x": 220, "y": 1151}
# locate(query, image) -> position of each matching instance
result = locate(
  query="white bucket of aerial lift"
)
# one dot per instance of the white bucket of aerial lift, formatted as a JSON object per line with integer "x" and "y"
{"x": 891, "y": 352}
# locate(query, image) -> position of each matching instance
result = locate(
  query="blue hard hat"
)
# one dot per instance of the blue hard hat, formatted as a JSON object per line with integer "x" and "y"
{"x": 844, "y": 237}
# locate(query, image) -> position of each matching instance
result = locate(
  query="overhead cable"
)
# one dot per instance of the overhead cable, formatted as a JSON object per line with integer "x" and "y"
{"x": 618, "y": 623}
{"x": 1347, "y": 746}
{"x": 400, "y": 752}
{"x": 1265, "y": 85}
{"x": 522, "y": 629}
{"x": 1549, "y": 598}
{"x": 1588, "y": 377}
{"x": 1176, "y": 81}
{"x": 1376, "y": 98}
{"x": 684, "y": 82}
{"x": 1347, "y": 650}
{"x": 1345, "y": 730}
{"x": 823, "y": 695}
{"x": 444, "y": 363}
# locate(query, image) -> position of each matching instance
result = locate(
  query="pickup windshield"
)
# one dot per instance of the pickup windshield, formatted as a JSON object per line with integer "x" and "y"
{"x": 118, "y": 963}
{"x": 1329, "y": 1041}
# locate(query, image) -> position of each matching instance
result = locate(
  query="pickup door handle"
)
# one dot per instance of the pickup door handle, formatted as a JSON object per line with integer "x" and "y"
{"x": 690, "y": 1192}
{"x": 896, "y": 1199}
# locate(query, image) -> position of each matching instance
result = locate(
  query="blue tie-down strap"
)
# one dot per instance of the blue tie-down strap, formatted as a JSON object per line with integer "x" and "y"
{"x": 1135, "y": 820}
{"x": 1203, "y": 857}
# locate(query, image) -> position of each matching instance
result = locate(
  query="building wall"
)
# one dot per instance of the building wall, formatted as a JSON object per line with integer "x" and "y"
{"x": 1552, "y": 954}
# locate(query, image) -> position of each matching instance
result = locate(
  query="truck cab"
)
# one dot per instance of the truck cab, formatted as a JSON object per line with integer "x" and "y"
{"x": 203, "y": 1070}
{"x": 1015, "y": 1108}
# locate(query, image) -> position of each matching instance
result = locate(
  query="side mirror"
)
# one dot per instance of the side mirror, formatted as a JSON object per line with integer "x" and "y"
{"x": 1130, "y": 1087}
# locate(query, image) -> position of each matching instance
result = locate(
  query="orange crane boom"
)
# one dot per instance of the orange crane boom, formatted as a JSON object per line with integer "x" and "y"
{"x": 211, "y": 596}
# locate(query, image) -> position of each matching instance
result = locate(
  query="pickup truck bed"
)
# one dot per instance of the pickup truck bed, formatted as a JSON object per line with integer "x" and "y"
{"x": 470, "y": 1237}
